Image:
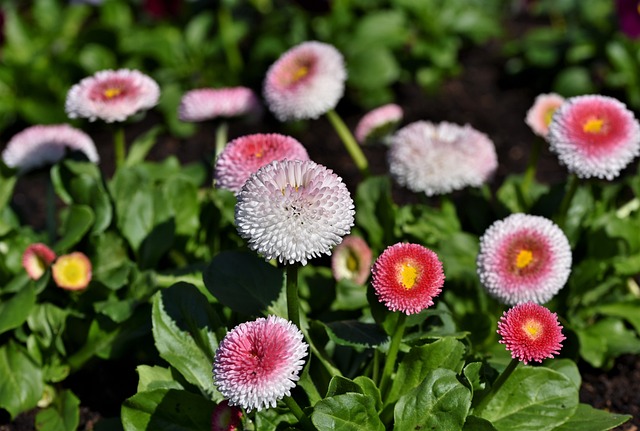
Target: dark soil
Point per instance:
(480, 96)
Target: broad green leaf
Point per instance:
(273, 419)
(155, 377)
(375, 211)
(369, 388)
(421, 360)
(341, 385)
(21, 379)
(183, 333)
(356, 334)
(78, 222)
(586, 418)
(182, 195)
(141, 146)
(167, 410)
(474, 423)
(243, 282)
(440, 401)
(62, 415)
(473, 373)
(14, 311)
(566, 367)
(348, 412)
(606, 339)
(630, 311)
(532, 399)
(7, 183)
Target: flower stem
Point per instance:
(482, 402)
(293, 306)
(51, 210)
(390, 363)
(119, 148)
(221, 137)
(530, 172)
(349, 142)
(572, 186)
(299, 414)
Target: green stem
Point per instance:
(299, 414)
(530, 172)
(482, 402)
(572, 186)
(349, 142)
(221, 137)
(119, 148)
(50, 210)
(390, 363)
(293, 306)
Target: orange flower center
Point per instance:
(593, 125)
(532, 328)
(110, 93)
(524, 258)
(408, 275)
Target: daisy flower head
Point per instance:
(351, 260)
(540, 114)
(594, 136)
(36, 259)
(524, 258)
(257, 363)
(207, 103)
(406, 277)
(440, 158)
(530, 332)
(378, 123)
(246, 154)
(305, 82)
(112, 95)
(226, 417)
(294, 210)
(72, 271)
(42, 145)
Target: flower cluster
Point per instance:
(440, 158)
(71, 271)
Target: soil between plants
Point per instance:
(480, 96)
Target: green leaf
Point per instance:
(348, 412)
(182, 194)
(7, 183)
(167, 410)
(243, 282)
(586, 418)
(14, 311)
(440, 401)
(474, 423)
(341, 385)
(630, 311)
(183, 333)
(155, 377)
(356, 334)
(78, 222)
(376, 211)
(369, 388)
(566, 367)
(141, 146)
(21, 379)
(605, 340)
(62, 415)
(421, 360)
(532, 399)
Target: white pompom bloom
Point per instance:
(440, 158)
(41, 145)
(594, 136)
(294, 210)
(112, 95)
(305, 82)
(258, 362)
(207, 103)
(524, 258)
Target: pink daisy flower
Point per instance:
(351, 260)
(246, 154)
(112, 95)
(37, 146)
(226, 417)
(378, 123)
(305, 82)
(406, 277)
(540, 114)
(524, 258)
(257, 363)
(594, 136)
(530, 332)
(208, 103)
(294, 210)
(72, 271)
(440, 158)
(36, 259)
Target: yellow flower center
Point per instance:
(408, 275)
(532, 328)
(524, 258)
(548, 116)
(593, 125)
(299, 73)
(72, 271)
(352, 262)
(110, 93)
